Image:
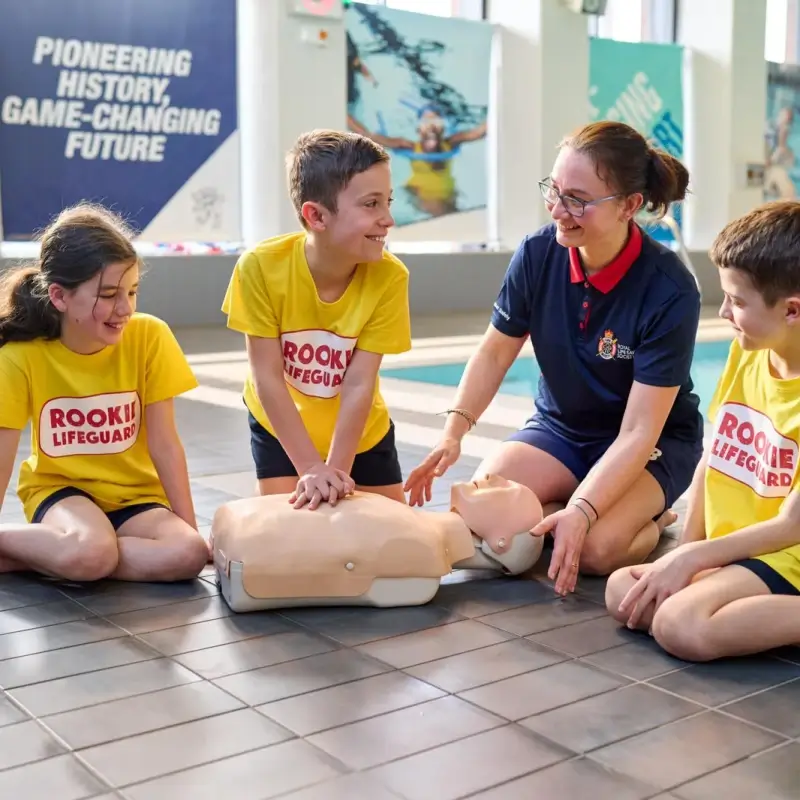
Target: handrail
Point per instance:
(670, 223)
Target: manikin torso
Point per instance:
(339, 551)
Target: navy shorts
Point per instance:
(117, 518)
(775, 582)
(672, 464)
(378, 466)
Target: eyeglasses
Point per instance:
(573, 205)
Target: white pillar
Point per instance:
(792, 31)
(283, 61)
(471, 9)
(540, 92)
(725, 91)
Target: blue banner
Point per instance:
(419, 85)
(131, 103)
(641, 84)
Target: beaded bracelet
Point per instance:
(463, 413)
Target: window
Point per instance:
(776, 37)
(437, 8)
(636, 21)
(622, 21)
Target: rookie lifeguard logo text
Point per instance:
(102, 424)
(747, 448)
(314, 361)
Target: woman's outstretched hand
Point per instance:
(569, 528)
(436, 463)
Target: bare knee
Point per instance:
(523, 463)
(682, 632)
(189, 557)
(599, 556)
(618, 585)
(86, 558)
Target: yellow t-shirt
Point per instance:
(88, 426)
(752, 463)
(273, 295)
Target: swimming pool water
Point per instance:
(523, 377)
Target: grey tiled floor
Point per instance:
(495, 690)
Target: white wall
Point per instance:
(725, 89)
(290, 81)
(468, 227)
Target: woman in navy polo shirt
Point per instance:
(616, 434)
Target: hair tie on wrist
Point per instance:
(594, 510)
(588, 518)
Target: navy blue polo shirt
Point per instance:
(593, 336)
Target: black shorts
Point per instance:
(378, 466)
(776, 583)
(672, 464)
(117, 518)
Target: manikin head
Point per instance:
(83, 288)
(340, 184)
(759, 272)
(496, 508)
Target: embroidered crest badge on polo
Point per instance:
(607, 346)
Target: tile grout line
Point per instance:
(69, 751)
(703, 707)
(342, 646)
(625, 779)
(756, 754)
(513, 636)
(294, 736)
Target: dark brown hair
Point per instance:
(625, 160)
(764, 243)
(81, 242)
(323, 162)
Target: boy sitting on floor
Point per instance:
(732, 586)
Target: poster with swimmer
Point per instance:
(782, 136)
(419, 85)
(641, 84)
(131, 103)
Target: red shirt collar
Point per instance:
(608, 277)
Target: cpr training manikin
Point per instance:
(368, 550)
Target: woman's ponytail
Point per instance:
(666, 183)
(624, 159)
(26, 312)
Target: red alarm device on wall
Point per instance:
(323, 9)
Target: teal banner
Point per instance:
(641, 84)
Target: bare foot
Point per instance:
(665, 520)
